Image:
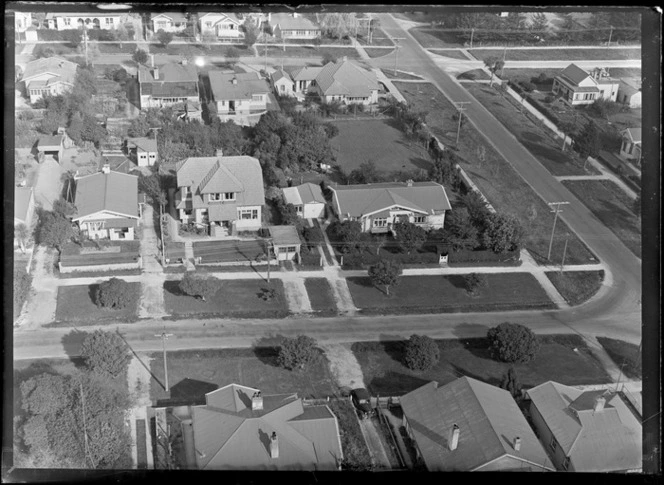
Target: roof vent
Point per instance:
(234, 81)
(453, 440)
(274, 445)
(257, 402)
(517, 443)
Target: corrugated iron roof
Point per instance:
(305, 73)
(280, 74)
(50, 141)
(346, 78)
(286, 21)
(64, 70)
(172, 72)
(143, 143)
(115, 192)
(177, 17)
(634, 134)
(284, 236)
(22, 196)
(310, 193)
(574, 74)
(247, 84)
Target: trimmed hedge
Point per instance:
(364, 260)
(511, 257)
(474, 307)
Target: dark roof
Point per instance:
(280, 74)
(172, 72)
(284, 236)
(304, 194)
(143, 143)
(114, 192)
(247, 84)
(346, 78)
(574, 74)
(177, 17)
(50, 141)
(286, 21)
(170, 90)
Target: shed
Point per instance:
(285, 242)
(51, 146)
(308, 200)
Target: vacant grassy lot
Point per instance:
(75, 305)
(228, 251)
(424, 294)
(623, 353)
(451, 53)
(193, 373)
(380, 141)
(611, 206)
(558, 54)
(577, 286)
(429, 38)
(385, 374)
(235, 298)
(320, 294)
(496, 178)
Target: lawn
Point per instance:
(558, 54)
(119, 48)
(611, 206)
(228, 251)
(353, 444)
(379, 38)
(451, 53)
(75, 306)
(389, 73)
(478, 74)
(445, 294)
(192, 373)
(385, 374)
(577, 286)
(380, 141)
(235, 299)
(320, 294)
(432, 38)
(623, 353)
(496, 178)
(374, 52)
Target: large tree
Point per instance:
(347, 233)
(114, 293)
(250, 32)
(503, 232)
(53, 230)
(493, 64)
(297, 353)
(421, 352)
(386, 272)
(199, 287)
(106, 353)
(140, 56)
(588, 142)
(511, 342)
(410, 236)
(463, 233)
(337, 25)
(164, 37)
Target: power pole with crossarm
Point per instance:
(163, 335)
(556, 211)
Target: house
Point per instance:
(239, 428)
(222, 25)
(577, 87)
(168, 21)
(586, 431)
(116, 161)
(293, 26)
(629, 92)
(346, 82)
(304, 78)
(49, 75)
(286, 242)
(468, 425)
(379, 206)
(52, 146)
(226, 192)
(282, 83)
(107, 205)
(631, 145)
(143, 150)
(239, 96)
(308, 200)
(22, 21)
(168, 85)
(91, 20)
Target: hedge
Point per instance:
(512, 257)
(363, 260)
(51, 34)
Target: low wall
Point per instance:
(469, 183)
(197, 261)
(100, 267)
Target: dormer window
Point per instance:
(222, 196)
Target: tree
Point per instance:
(337, 25)
(22, 235)
(463, 233)
(43, 51)
(421, 353)
(73, 37)
(511, 342)
(538, 22)
(250, 33)
(588, 142)
(164, 37)
(474, 282)
(297, 353)
(367, 173)
(140, 56)
(114, 293)
(386, 272)
(476, 205)
(511, 383)
(503, 232)
(197, 286)
(53, 230)
(410, 236)
(287, 212)
(329, 57)
(232, 55)
(106, 353)
(347, 232)
(493, 64)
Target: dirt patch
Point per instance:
(343, 365)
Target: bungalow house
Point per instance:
(631, 145)
(577, 87)
(468, 425)
(282, 83)
(308, 200)
(239, 428)
(379, 206)
(24, 210)
(347, 83)
(168, 85)
(107, 205)
(286, 242)
(304, 78)
(226, 192)
(168, 21)
(629, 92)
(49, 75)
(22, 20)
(222, 25)
(91, 20)
(239, 95)
(293, 26)
(586, 431)
(143, 150)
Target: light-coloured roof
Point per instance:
(284, 235)
(488, 418)
(304, 194)
(83, 15)
(247, 84)
(346, 78)
(22, 196)
(630, 86)
(143, 143)
(174, 16)
(574, 74)
(63, 70)
(113, 192)
(362, 200)
(603, 441)
(223, 16)
(50, 141)
(634, 134)
(286, 21)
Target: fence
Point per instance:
(72, 268)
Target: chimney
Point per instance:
(234, 81)
(269, 17)
(599, 404)
(184, 62)
(517, 443)
(257, 402)
(220, 153)
(152, 60)
(106, 168)
(295, 15)
(344, 58)
(409, 182)
(155, 73)
(274, 446)
(453, 440)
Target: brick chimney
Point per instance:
(453, 440)
(106, 168)
(155, 73)
(599, 404)
(517, 443)
(274, 445)
(184, 62)
(409, 182)
(295, 15)
(151, 60)
(220, 153)
(257, 402)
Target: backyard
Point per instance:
(385, 374)
(320, 295)
(76, 307)
(576, 287)
(446, 294)
(558, 54)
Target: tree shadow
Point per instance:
(393, 346)
(458, 281)
(173, 287)
(421, 163)
(393, 383)
(188, 392)
(266, 349)
(363, 281)
(460, 371)
(92, 292)
(71, 342)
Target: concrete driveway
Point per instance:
(49, 185)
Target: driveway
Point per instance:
(49, 185)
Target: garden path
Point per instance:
(138, 382)
(41, 305)
(296, 293)
(344, 365)
(152, 277)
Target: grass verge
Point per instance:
(451, 53)
(320, 294)
(304, 51)
(117, 48)
(475, 74)
(577, 287)
(389, 74)
(432, 38)
(622, 352)
(75, 305)
(559, 54)
(375, 52)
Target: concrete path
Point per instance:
(296, 294)
(41, 305)
(612, 177)
(581, 177)
(152, 279)
(138, 382)
(376, 450)
(389, 86)
(49, 186)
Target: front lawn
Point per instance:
(558, 54)
(235, 299)
(444, 294)
(192, 373)
(611, 206)
(119, 48)
(277, 51)
(475, 74)
(374, 52)
(429, 38)
(386, 375)
(577, 287)
(378, 38)
(353, 444)
(320, 294)
(75, 305)
(623, 354)
(451, 53)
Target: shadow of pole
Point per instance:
(147, 367)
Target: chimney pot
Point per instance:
(155, 73)
(257, 402)
(234, 81)
(274, 446)
(453, 440)
(409, 182)
(106, 168)
(517, 443)
(152, 60)
(599, 403)
(220, 153)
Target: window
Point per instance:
(257, 97)
(282, 88)
(566, 463)
(208, 25)
(290, 249)
(419, 219)
(214, 197)
(380, 222)
(109, 21)
(631, 148)
(249, 214)
(229, 195)
(298, 208)
(553, 444)
(67, 21)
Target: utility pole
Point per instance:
(459, 105)
(556, 211)
(163, 337)
(562, 263)
(396, 52)
(265, 40)
(608, 44)
(472, 33)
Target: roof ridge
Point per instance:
(228, 440)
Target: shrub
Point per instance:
(328, 57)
(511, 383)
(297, 353)
(114, 293)
(140, 56)
(475, 281)
(549, 99)
(603, 108)
(101, 34)
(198, 286)
(511, 342)
(164, 37)
(106, 353)
(22, 285)
(421, 353)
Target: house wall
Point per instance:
(633, 100)
(67, 22)
(570, 96)
(283, 87)
(243, 106)
(282, 253)
(103, 233)
(148, 101)
(219, 25)
(55, 89)
(629, 150)
(295, 34)
(145, 159)
(22, 21)
(431, 221)
(608, 91)
(248, 224)
(167, 25)
(545, 435)
(303, 86)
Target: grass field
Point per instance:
(75, 305)
(192, 373)
(451, 53)
(375, 52)
(496, 178)
(433, 294)
(235, 298)
(381, 141)
(431, 38)
(389, 73)
(320, 294)
(623, 353)
(385, 374)
(576, 286)
(558, 54)
(611, 206)
(478, 74)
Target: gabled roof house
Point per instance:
(223, 25)
(143, 150)
(629, 92)
(468, 425)
(240, 97)
(48, 75)
(577, 87)
(282, 83)
(346, 82)
(308, 200)
(240, 429)
(293, 26)
(168, 21)
(168, 85)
